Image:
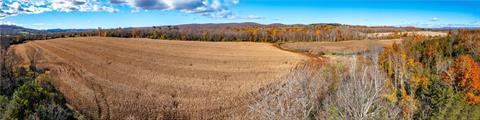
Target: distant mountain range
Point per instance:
(15, 30)
(69, 30)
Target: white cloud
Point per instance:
(434, 19)
(6, 23)
(235, 1)
(15, 7)
(474, 22)
(211, 8)
(38, 24)
(80, 5)
(253, 17)
(246, 17)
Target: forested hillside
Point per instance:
(231, 32)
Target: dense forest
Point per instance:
(435, 78)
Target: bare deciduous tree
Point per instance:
(355, 91)
(295, 98)
(360, 95)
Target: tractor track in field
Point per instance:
(116, 78)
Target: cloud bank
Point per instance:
(16, 7)
(210, 8)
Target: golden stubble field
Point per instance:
(119, 78)
(342, 47)
(421, 33)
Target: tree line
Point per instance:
(250, 32)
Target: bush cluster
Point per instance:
(25, 93)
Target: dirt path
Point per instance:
(312, 58)
(116, 78)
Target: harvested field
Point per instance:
(343, 47)
(117, 78)
(422, 33)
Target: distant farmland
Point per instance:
(117, 78)
(343, 47)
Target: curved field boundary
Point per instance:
(117, 78)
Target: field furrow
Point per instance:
(115, 78)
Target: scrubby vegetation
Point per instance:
(25, 93)
(420, 78)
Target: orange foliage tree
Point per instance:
(465, 76)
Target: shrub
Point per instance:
(25, 93)
(53, 111)
(7, 81)
(37, 100)
(3, 105)
(26, 99)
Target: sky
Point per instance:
(80, 14)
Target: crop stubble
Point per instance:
(117, 78)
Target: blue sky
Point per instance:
(138, 13)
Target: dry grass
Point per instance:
(343, 47)
(421, 33)
(116, 78)
(351, 47)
